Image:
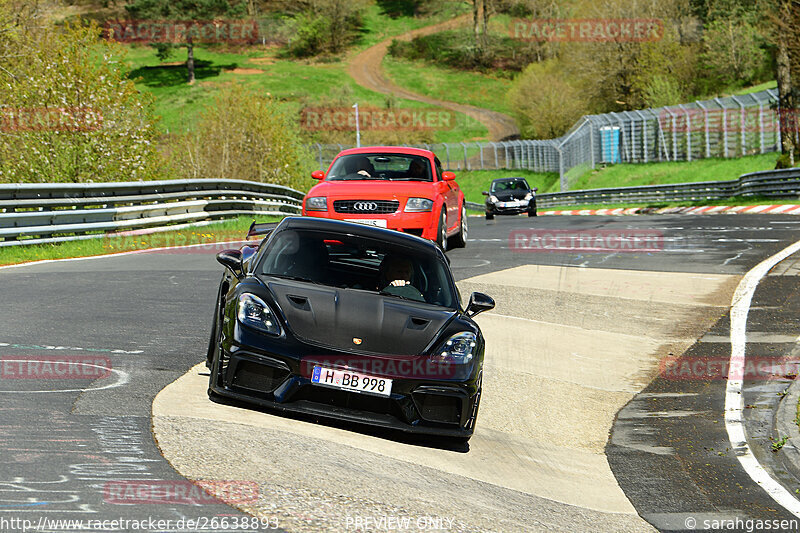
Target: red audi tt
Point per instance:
(391, 187)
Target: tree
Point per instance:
(325, 26)
(546, 105)
(782, 30)
(480, 21)
(246, 136)
(69, 112)
(610, 72)
(665, 72)
(181, 11)
(733, 48)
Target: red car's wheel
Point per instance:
(441, 234)
(460, 240)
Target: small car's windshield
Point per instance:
(510, 185)
(357, 262)
(396, 167)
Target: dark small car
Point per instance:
(510, 196)
(347, 321)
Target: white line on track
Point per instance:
(734, 399)
(122, 378)
(118, 254)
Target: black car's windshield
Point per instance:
(396, 167)
(510, 185)
(348, 261)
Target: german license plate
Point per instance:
(379, 222)
(352, 381)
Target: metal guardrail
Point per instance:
(47, 213)
(770, 183)
(53, 212)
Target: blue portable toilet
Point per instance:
(609, 144)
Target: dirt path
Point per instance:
(365, 69)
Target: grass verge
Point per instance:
(714, 169)
(226, 230)
(463, 87)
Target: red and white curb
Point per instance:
(783, 209)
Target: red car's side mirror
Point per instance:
(448, 176)
(318, 174)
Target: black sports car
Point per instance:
(343, 320)
(510, 196)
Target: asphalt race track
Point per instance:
(575, 339)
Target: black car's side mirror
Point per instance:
(485, 193)
(535, 189)
(232, 260)
(478, 303)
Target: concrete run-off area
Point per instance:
(567, 347)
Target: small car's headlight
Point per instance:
(493, 199)
(252, 311)
(317, 203)
(459, 349)
(528, 196)
(419, 205)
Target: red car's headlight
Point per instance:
(418, 205)
(317, 203)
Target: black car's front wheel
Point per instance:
(213, 341)
(489, 216)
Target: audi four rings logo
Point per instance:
(365, 206)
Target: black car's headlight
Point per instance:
(493, 198)
(458, 349)
(252, 311)
(528, 197)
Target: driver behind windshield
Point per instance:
(416, 170)
(395, 277)
(359, 165)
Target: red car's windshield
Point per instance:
(396, 167)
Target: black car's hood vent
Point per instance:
(333, 318)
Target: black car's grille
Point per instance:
(374, 207)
